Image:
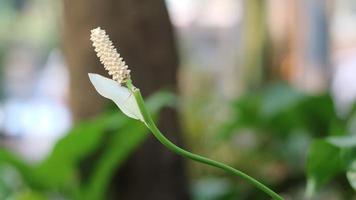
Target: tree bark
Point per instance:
(255, 44)
(143, 34)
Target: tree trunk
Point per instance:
(143, 34)
(255, 44)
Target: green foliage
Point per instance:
(351, 174)
(280, 110)
(115, 135)
(323, 164)
(329, 157)
(286, 120)
(118, 149)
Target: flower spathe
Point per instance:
(121, 95)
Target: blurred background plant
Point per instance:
(264, 85)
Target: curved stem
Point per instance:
(156, 132)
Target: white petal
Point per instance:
(122, 96)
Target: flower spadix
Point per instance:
(107, 53)
(116, 67)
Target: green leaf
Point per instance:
(347, 145)
(23, 168)
(120, 147)
(336, 154)
(323, 163)
(320, 117)
(29, 195)
(279, 98)
(60, 168)
(346, 141)
(246, 114)
(351, 174)
(123, 143)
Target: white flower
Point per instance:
(116, 67)
(122, 96)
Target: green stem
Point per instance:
(157, 133)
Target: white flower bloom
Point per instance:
(122, 96)
(117, 68)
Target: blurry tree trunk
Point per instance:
(255, 43)
(259, 67)
(143, 34)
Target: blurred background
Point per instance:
(266, 86)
